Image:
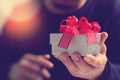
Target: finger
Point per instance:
(56, 56)
(68, 62)
(13, 74)
(78, 60)
(34, 68)
(40, 60)
(29, 65)
(45, 73)
(47, 56)
(104, 36)
(103, 49)
(19, 73)
(92, 60)
(24, 75)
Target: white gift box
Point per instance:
(77, 44)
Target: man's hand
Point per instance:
(31, 67)
(89, 66)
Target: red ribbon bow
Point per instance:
(74, 27)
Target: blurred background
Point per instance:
(18, 17)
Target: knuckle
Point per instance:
(26, 55)
(74, 69)
(29, 55)
(64, 54)
(24, 62)
(75, 54)
(74, 72)
(99, 63)
(40, 58)
(21, 61)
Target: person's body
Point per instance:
(14, 48)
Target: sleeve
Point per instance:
(7, 59)
(111, 72)
(112, 68)
(4, 71)
(5, 63)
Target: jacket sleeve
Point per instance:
(111, 72)
(112, 68)
(4, 71)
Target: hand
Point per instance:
(31, 67)
(89, 66)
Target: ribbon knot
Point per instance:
(72, 26)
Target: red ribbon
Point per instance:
(73, 27)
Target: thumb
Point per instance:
(92, 60)
(47, 56)
(104, 36)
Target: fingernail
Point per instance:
(48, 75)
(51, 65)
(63, 58)
(47, 55)
(76, 59)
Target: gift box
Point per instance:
(76, 39)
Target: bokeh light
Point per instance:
(21, 17)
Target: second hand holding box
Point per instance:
(77, 36)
